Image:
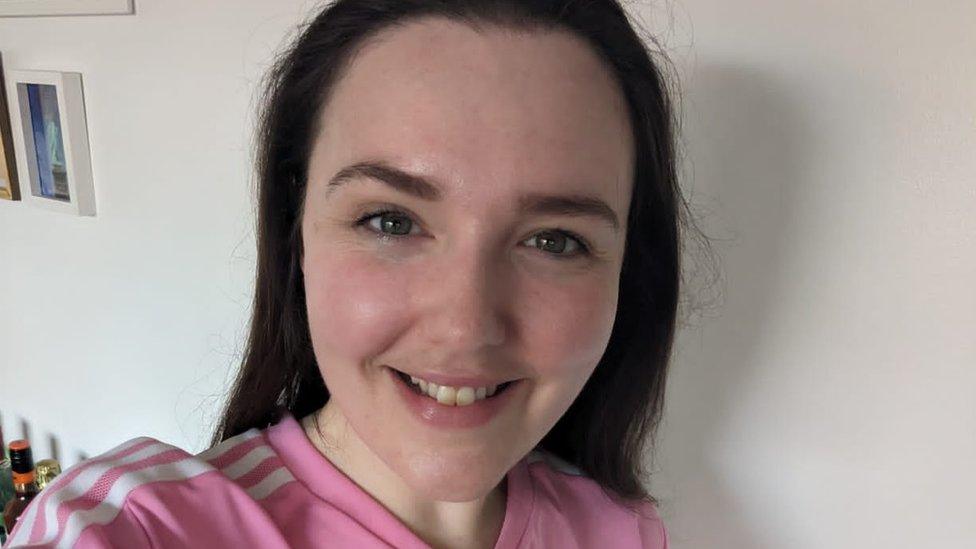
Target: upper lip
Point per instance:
(457, 380)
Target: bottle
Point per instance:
(46, 469)
(6, 483)
(6, 477)
(22, 465)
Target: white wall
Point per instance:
(128, 323)
(831, 400)
(827, 401)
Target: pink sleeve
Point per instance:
(650, 528)
(205, 511)
(142, 493)
(124, 530)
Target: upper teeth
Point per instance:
(453, 396)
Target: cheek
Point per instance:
(352, 307)
(570, 328)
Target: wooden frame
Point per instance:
(47, 113)
(9, 185)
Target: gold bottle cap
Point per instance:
(46, 470)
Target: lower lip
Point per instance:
(430, 412)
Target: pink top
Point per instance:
(272, 489)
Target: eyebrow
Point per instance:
(426, 189)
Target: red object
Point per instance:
(19, 445)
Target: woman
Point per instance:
(465, 301)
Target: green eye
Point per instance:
(391, 222)
(394, 224)
(557, 242)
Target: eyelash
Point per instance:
(584, 249)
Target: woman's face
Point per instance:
(522, 140)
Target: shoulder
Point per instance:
(95, 491)
(250, 462)
(565, 494)
(131, 493)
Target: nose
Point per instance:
(468, 306)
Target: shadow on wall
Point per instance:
(52, 448)
(9, 435)
(744, 142)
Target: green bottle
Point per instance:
(6, 483)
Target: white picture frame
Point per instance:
(28, 8)
(48, 106)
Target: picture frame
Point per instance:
(9, 185)
(50, 133)
(28, 8)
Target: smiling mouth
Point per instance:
(451, 396)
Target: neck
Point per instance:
(438, 523)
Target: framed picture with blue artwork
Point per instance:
(50, 132)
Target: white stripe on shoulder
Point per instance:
(272, 482)
(228, 445)
(555, 462)
(249, 461)
(109, 508)
(89, 472)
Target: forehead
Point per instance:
(490, 113)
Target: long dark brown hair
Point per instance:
(605, 430)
